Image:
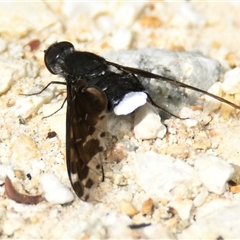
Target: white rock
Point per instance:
(6, 80)
(127, 14)
(24, 148)
(211, 207)
(117, 225)
(12, 14)
(55, 192)
(12, 69)
(6, 171)
(121, 39)
(214, 172)
(157, 174)
(11, 225)
(86, 9)
(29, 105)
(222, 223)
(212, 104)
(190, 122)
(158, 231)
(231, 83)
(186, 112)
(200, 198)
(182, 207)
(188, 16)
(147, 122)
(162, 131)
(3, 45)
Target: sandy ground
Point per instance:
(173, 186)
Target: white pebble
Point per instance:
(55, 192)
(190, 122)
(28, 106)
(212, 104)
(182, 207)
(157, 231)
(157, 174)
(3, 45)
(6, 171)
(121, 39)
(162, 131)
(117, 225)
(6, 80)
(200, 198)
(11, 225)
(222, 223)
(212, 206)
(188, 16)
(186, 112)
(23, 149)
(86, 9)
(214, 172)
(147, 122)
(126, 14)
(231, 83)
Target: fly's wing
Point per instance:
(85, 139)
(172, 81)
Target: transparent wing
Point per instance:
(85, 139)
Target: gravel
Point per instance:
(164, 177)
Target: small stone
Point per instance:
(158, 174)
(190, 122)
(148, 207)
(158, 231)
(231, 83)
(23, 149)
(11, 225)
(226, 110)
(118, 153)
(6, 80)
(222, 222)
(235, 189)
(178, 150)
(121, 39)
(183, 208)
(150, 21)
(128, 208)
(118, 179)
(214, 172)
(54, 191)
(24, 17)
(147, 122)
(19, 174)
(171, 223)
(212, 104)
(200, 198)
(162, 131)
(3, 45)
(127, 14)
(201, 141)
(186, 112)
(29, 105)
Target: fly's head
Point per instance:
(55, 55)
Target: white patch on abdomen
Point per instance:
(130, 102)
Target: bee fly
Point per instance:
(95, 87)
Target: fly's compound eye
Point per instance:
(54, 52)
